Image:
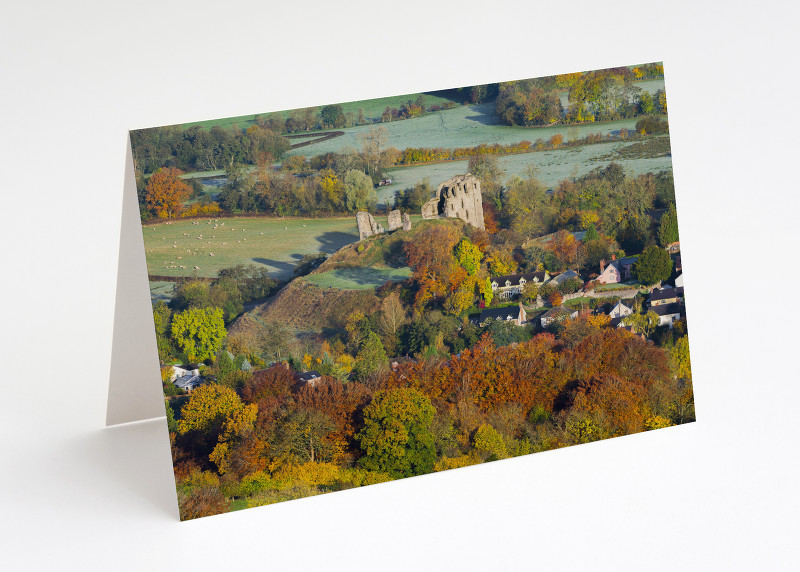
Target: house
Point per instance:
(664, 296)
(620, 310)
(505, 287)
(515, 314)
(564, 276)
(668, 314)
(188, 382)
(673, 247)
(558, 314)
(183, 370)
(617, 322)
(310, 377)
(617, 270)
(679, 281)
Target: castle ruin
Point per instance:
(459, 197)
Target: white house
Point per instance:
(620, 310)
(510, 285)
(679, 281)
(668, 314)
(182, 371)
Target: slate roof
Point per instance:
(564, 276)
(507, 313)
(667, 309)
(309, 375)
(559, 311)
(188, 381)
(514, 278)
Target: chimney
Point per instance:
(613, 257)
(602, 265)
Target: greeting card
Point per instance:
(354, 293)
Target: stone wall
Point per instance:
(367, 225)
(459, 197)
(395, 220)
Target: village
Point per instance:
(539, 301)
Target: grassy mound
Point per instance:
(357, 278)
(304, 306)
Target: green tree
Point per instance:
(468, 256)
(397, 438)
(646, 105)
(371, 358)
(413, 199)
(358, 190)
(199, 332)
(333, 116)
(668, 227)
(591, 234)
(654, 265)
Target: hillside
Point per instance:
(308, 307)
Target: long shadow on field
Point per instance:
(333, 241)
(284, 269)
(484, 115)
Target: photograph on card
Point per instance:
(354, 293)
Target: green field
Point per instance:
(357, 278)
(552, 166)
(175, 248)
(373, 108)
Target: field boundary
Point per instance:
(155, 221)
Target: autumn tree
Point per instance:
(199, 332)
(654, 265)
(396, 437)
(527, 205)
(459, 301)
(500, 263)
(489, 443)
(303, 435)
(566, 248)
(468, 256)
(679, 358)
(208, 408)
(166, 192)
(430, 255)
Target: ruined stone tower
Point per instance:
(459, 197)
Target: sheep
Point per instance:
(197, 268)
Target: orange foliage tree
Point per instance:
(165, 192)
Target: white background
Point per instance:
(720, 494)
